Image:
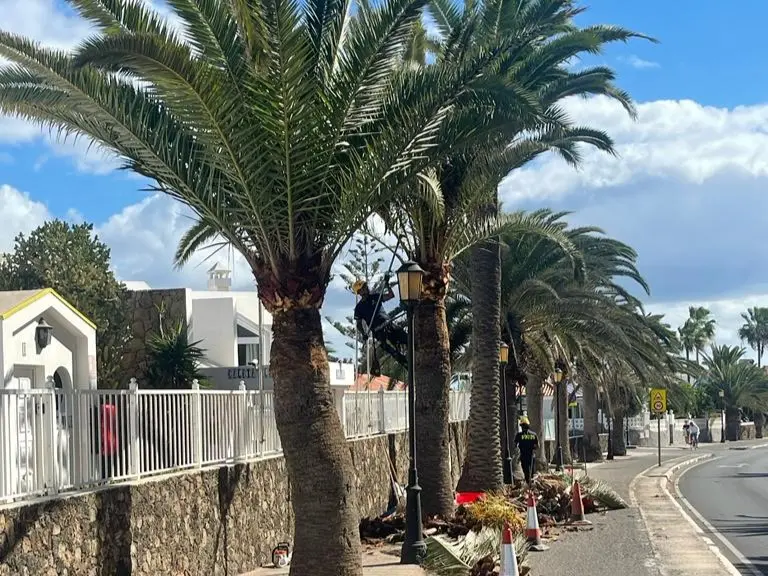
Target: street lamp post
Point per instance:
(503, 359)
(409, 278)
(721, 393)
(559, 450)
(608, 417)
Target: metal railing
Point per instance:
(54, 440)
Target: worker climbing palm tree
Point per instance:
(372, 319)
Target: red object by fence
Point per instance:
(108, 429)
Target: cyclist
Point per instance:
(693, 432)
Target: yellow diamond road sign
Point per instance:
(659, 400)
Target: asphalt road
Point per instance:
(731, 493)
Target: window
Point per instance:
(247, 353)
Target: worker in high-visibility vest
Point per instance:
(527, 442)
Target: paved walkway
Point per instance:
(677, 543)
(375, 564)
(620, 542)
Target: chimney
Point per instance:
(219, 278)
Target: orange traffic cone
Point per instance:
(508, 556)
(533, 532)
(577, 506)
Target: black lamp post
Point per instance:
(559, 450)
(607, 416)
(503, 359)
(721, 393)
(409, 278)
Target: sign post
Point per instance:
(658, 407)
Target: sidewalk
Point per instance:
(375, 564)
(618, 542)
(676, 542)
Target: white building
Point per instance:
(44, 339)
(231, 327)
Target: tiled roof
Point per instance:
(376, 383)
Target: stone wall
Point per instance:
(218, 522)
(143, 311)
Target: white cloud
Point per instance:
(18, 213)
(45, 21)
(674, 139)
(639, 63)
(143, 238)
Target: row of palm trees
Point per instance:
(723, 379)
(284, 126)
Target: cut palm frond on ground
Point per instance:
(446, 557)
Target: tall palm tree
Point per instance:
(701, 326)
(545, 40)
(283, 127)
(744, 384)
(754, 331)
(564, 301)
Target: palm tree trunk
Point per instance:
(759, 419)
(327, 539)
(592, 449)
(432, 365)
(688, 359)
(562, 420)
(482, 470)
(534, 394)
(619, 442)
(759, 354)
(732, 424)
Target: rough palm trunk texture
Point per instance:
(535, 395)
(482, 470)
(759, 419)
(592, 448)
(619, 437)
(327, 539)
(562, 407)
(432, 363)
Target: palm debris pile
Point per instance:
(470, 538)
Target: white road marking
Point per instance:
(732, 466)
(748, 566)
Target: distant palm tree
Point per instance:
(699, 329)
(744, 384)
(755, 330)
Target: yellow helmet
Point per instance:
(524, 421)
(357, 285)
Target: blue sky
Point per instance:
(687, 191)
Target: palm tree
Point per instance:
(564, 301)
(744, 384)
(754, 331)
(702, 327)
(467, 180)
(283, 127)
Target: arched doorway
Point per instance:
(62, 384)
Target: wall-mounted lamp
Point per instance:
(43, 333)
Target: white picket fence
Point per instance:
(368, 413)
(54, 441)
